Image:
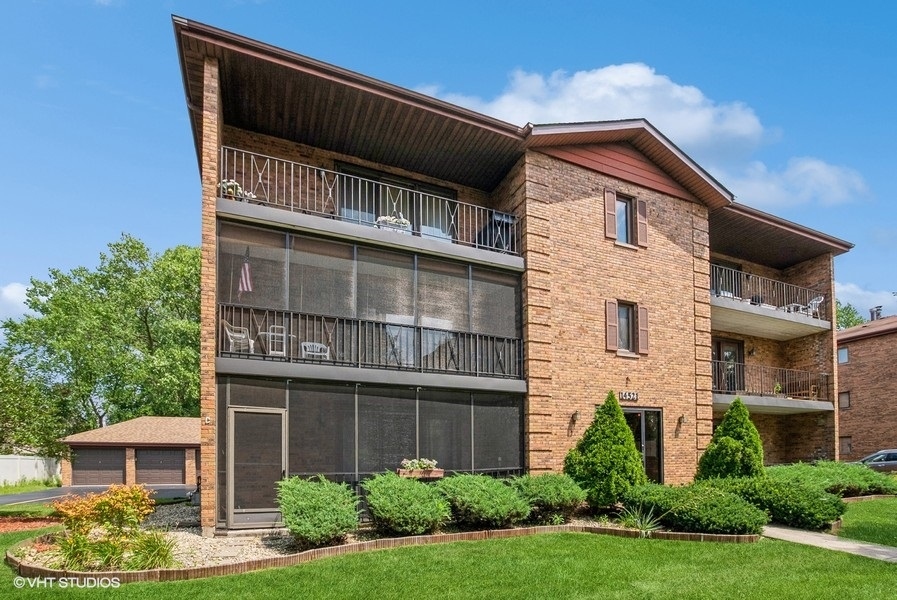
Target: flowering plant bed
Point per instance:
(421, 473)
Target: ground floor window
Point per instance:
(646, 426)
(346, 432)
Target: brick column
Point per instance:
(211, 142)
(130, 466)
(65, 468)
(190, 465)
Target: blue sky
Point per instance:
(789, 104)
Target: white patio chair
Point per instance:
(238, 338)
(813, 306)
(315, 350)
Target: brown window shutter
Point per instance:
(642, 233)
(642, 330)
(613, 325)
(610, 214)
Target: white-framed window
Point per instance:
(843, 355)
(844, 400)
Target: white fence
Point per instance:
(15, 468)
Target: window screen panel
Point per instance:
(322, 430)
(322, 277)
(257, 392)
(442, 295)
(497, 432)
(251, 266)
(385, 286)
(444, 428)
(494, 303)
(386, 428)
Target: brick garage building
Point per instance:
(148, 450)
(387, 276)
(867, 387)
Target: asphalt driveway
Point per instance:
(43, 496)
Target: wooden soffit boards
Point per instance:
(621, 161)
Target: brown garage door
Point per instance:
(98, 466)
(160, 465)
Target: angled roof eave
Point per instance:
(646, 138)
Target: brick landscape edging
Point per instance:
(31, 570)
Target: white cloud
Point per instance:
(12, 300)
(863, 300)
(803, 180)
(624, 91)
(722, 137)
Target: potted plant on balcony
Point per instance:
(777, 389)
(393, 221)
(419, 468)
(229, 188)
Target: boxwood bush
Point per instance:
(405, 506)
(552, 497)
(697, 508)
(841, 479)
(481, 501)
(789, 503)
(317, 512)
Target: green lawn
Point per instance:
(27, 510)
(31, 485)
(871, 521)
(566, 565)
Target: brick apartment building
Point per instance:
(867, 387)
(386, 275)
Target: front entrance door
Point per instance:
(646, 429)
(257, 461)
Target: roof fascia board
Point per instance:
(304, 64)
(838, 245)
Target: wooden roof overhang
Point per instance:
(275, 92)
(755, 236)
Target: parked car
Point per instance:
(883, 460)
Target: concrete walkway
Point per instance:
(831, 542)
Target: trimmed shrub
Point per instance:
(317, 512)
(605, 461)
(697, 508)
(735, 449)
(841, 479)
(787, 503)
(405, 506)
(552, 497)
(481, 501)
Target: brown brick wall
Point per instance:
(571, 270)
(211, 116)
(65, 468)
(871, 420)
(130, 466)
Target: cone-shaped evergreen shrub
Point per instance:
(605, 461)
(735, 449)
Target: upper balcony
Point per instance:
(758, 306)
(300, 188)
(768, 389)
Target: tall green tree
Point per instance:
(29, 421)
(848, 315)
(117, 342)
(735, 450)
(605, 461)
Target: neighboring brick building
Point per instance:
(386, 275)
(867, 387)
(148, 450)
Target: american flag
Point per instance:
(245, 276)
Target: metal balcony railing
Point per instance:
(252, 177)
(760, 380)
(769, 293)
(307, 338)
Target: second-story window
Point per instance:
(625, 219)
(627, 327)
(843, 356)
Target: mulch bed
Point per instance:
(8, 524)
